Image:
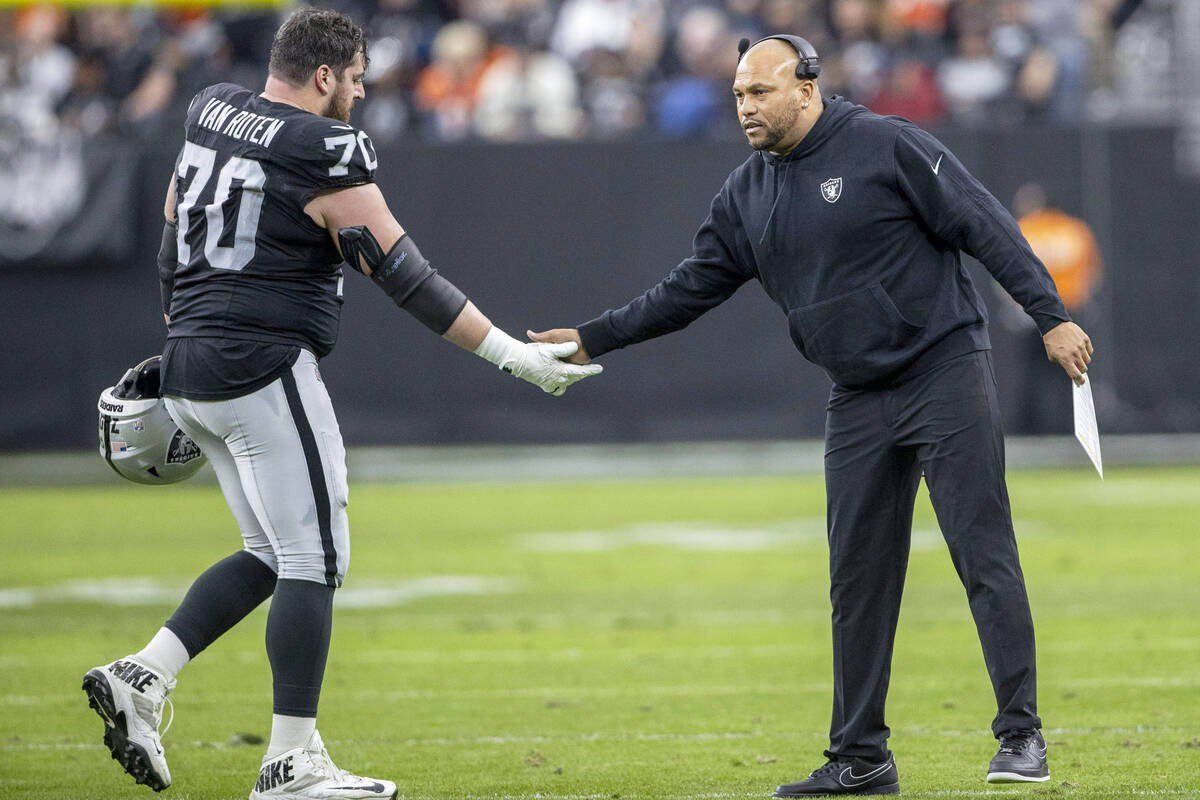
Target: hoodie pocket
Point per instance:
(858, 337)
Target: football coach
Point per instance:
(853, 224)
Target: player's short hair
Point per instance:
(311, 37)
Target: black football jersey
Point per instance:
(253, 267)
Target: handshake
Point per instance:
(541, 362)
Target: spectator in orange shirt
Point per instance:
(447, 89)
(1065, 244)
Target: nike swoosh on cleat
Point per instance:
(373, 787)
(859, 780)
(937, 164)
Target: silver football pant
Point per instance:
(279, 458)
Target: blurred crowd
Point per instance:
(520, 70)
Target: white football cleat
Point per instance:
(308, 773)
(129, 698)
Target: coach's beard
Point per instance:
(774, 131)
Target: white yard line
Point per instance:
(705, 652)
(707, 536)
(144, 591)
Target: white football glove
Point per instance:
(537, 363)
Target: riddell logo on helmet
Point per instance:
(115, 408)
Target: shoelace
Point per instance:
(1014, 744)
(324, 764)
(828, 768)
(170, 705)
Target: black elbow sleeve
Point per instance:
(406, 276)
(168, 260)
(436, 303)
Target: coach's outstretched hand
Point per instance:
(540, 364)
(1069, 347)
(555, 335)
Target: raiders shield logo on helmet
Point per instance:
(831, 190)
(138, 438)
(182, 449)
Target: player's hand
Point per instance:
(556, 335)
(1069, 347)
(542, 365)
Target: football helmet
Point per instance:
(138, 438)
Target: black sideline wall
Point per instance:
(550, 235)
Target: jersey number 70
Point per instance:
(248, 195)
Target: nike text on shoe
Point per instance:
(846, 776)
(128, 696)
(1022, 758)
(308, 773)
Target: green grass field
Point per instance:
(610, 640)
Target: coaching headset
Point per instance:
(810, 63)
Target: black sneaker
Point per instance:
(1022, 758)
(846, 776)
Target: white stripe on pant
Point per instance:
(282, 468)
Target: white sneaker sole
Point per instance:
(1014, 777)
(132, 757)
(254, 795)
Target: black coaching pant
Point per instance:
(944, 423)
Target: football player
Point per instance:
(272, 191)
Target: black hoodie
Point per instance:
(856, 235)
